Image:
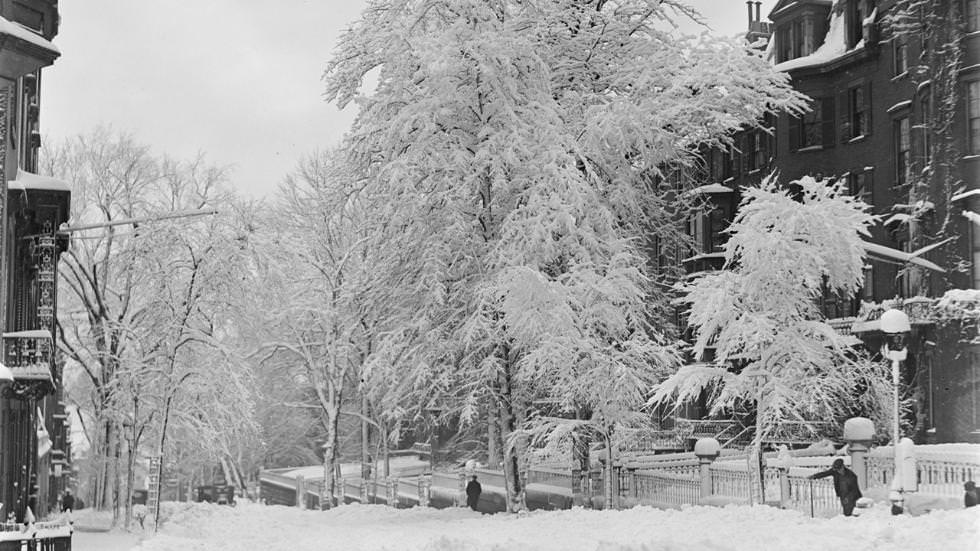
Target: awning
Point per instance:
(894, 255)
(28, 180)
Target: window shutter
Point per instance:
(844, 109)
(795, 128)
(829, 121)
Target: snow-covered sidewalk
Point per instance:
(376, 527)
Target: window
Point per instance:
(731, 162)
(814, 128)
(972, 11)
(925, 116)
(976, 255)
(784, 44)
(855, 103)
(717, 164)
(973, 114)
(857, 11)
(901, 55)
(902, 150)
(719, 219)
(796, 39)
(861, 185)
(754, 150)
(868, 288)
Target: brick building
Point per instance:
(895, 113)
(34, 443)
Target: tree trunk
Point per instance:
(330, 457)
(116, 474)
(494, 445)
(610, 472)
(514, 472)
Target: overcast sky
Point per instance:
(239, 80)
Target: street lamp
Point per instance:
(896, 328)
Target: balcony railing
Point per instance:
(28, 354)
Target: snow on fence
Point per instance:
(665, 489)
(943, 477)
(730, 479)
(550, 476)
(812, 497)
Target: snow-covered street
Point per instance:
(375, 527)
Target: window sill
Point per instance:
(810, 148)
(857, 139)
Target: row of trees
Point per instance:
(475, 252)
(145, 309)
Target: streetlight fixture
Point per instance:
(896, 328)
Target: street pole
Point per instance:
(896, 328)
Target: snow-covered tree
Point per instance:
(140, 296)
(760, 315)
(521, 144)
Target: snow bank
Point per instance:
(355, 527)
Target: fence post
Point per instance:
(391, 488)
(577, 487)
(634, 493)
(706, 450)
(614, 471)
(858, 432)
(784, 496)
(423, 492)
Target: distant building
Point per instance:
(896, 115)
(34, 444)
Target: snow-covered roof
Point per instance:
(901, 256)
(28, 180)
(834, 45)
(704, 256)
(711, 188)
(19, 31)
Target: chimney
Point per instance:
(758, 6)
(749, 5)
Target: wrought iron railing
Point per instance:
(28, 354)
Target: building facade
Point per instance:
(34, 441)
(895, 115)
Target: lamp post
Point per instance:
(896, 328)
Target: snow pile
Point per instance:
(355, 527)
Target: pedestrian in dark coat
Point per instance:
(473, 491)
(845, 485)
(970, 496)
(67, 502)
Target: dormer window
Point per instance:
(857, 12)
(799, 37)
